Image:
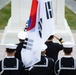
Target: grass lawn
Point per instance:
(71, 18)
(5, 14)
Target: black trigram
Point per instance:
(28, 43)
(40, 27)
(48, 7)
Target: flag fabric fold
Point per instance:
(46, 14)
(40, 27)
(33, 14)
(31, 51)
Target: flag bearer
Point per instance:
(21, 37)
(45, 66)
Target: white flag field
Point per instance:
(42, 26)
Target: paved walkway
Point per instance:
(3, 3)
(71, 4)
(1, 34)
(74, 34)
(2, 49)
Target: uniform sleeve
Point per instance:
(56, 67)
(51, 65)
(59, 46)
(21, 66)
(61, 40)
(18, 52)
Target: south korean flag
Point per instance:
(31, 51)
(41, 26)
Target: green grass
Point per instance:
(5, 14)
(71, 18)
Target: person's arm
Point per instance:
(60, 39)
(21, 65)
(51, 65)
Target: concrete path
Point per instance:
(1, 34)
(71, 4)
(2, 49)
(74, 34)
(3, 3)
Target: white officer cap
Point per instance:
(68, 44)
(22, 35)
(43, 48)
(11, 46)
